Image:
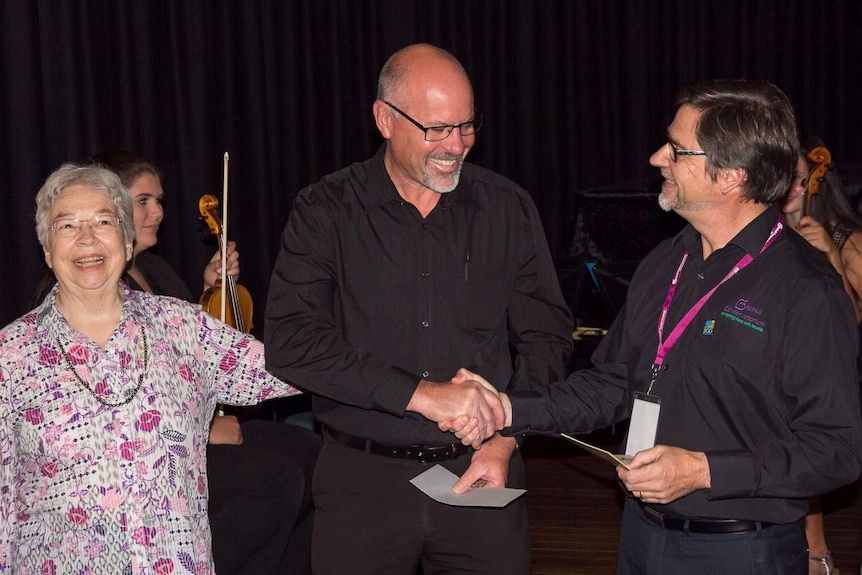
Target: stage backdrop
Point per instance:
(576, 95)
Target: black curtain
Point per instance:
(576, 95)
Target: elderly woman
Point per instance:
(106, 401)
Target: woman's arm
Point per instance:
(846, 261)
(851, 259)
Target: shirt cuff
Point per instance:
(731, 474)
(530, 416)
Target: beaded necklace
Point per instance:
(129, 393)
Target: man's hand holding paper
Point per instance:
(663, 474)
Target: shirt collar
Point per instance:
(754, 235)
(381, 190)
(751, 238)
(49, 318)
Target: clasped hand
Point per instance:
(225, 430)
(467, 405)
(470, 430)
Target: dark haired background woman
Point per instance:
(837, 232)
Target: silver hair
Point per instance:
(94, 177)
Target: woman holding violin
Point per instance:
(259, 471)
(817, 207)
(147, 198)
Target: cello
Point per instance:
(822, 160)
(233, 304)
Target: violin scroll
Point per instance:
(822, 160)
(208, 206)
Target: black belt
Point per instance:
(701, 525)
(420, 453)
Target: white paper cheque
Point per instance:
(438, 481)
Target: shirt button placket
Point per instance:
(425, 309)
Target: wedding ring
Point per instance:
(640, 494)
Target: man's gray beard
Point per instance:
(431, 185)
(672, 204)
(667, 203)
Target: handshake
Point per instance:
(468, 406)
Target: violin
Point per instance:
(232, 305)
(822, 160)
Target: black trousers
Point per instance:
(369, 519)
(260, 507)
(647, 549)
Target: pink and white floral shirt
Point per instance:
(90, 488)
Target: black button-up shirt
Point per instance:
(367, 298)
(763, 380)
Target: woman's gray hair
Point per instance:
(94, 177)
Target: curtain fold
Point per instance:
(576, 95)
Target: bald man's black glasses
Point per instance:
(438, 133)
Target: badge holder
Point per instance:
(644, 423)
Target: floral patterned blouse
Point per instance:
(103, 469)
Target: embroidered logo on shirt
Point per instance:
(744, 313)
(708, 327)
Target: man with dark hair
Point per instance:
(393, 274)
(734, 356)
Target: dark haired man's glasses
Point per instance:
(674, 152)
(437, 133)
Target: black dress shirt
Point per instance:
(367, 298)
(768, 391)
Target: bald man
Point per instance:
(393, 274)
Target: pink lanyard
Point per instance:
(665, 346)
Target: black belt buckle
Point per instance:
(426, 453)
(420, 453)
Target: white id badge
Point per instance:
(644, 422)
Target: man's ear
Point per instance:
(383, 118)
(730, 179)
